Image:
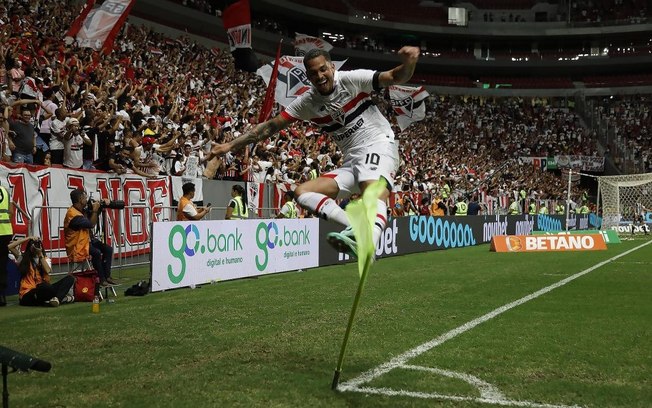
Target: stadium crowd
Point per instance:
(155, 105)
(629, 120)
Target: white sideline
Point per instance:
(400, 360)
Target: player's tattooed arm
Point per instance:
(262, 131)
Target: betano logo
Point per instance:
(528, 243)
(180, 238)
(268, 238)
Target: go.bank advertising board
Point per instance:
(197, 252)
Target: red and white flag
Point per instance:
(268, 103)
(304, 43)
(255, 198)
(292, 80)
(237, 22)
(103, 24)
(408, 104)
(77, 24)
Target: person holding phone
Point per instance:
(187, 210)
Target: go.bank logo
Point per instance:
(268, 237)
(178, 245)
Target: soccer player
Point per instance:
(339, 103)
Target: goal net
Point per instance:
(624, 198)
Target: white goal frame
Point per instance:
(624, 197)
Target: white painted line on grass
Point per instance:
(428, 395)
(487, 391)
(400, 360)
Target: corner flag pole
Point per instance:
(362, 216)
(356, 300)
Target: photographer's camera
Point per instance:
(113, 205)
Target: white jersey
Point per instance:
(348, 113)
(73, 152)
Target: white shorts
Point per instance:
(366, 163)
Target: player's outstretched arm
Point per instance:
(402, 73)
(261, 132)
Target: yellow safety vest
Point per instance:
(461, 208)
(293, 209)
(240, 211)
(5, 219)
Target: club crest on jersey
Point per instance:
(339, 116)
(297, 82)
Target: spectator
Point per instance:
(6, 144)
(34, 267)
(24, 138)
(58, 130)
(74, 141)
(49, 108)
(474, 206)
(122, 163)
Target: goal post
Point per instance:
(624, 197)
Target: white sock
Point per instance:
(323, 206)
(381, 222)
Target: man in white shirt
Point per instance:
(73, 143)
(58, 129)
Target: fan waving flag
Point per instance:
(237, 22)
(304, 43)
(292, 80)
(103, 24)
(408, 104)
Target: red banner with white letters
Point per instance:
(44, 195)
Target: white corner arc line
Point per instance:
(401, 359)
(487, 391)
(427, 395)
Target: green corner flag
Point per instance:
(362, 216)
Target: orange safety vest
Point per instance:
(77, 242)
(31, 280)
(181, 216)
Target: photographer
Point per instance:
(35, 268)
(77, 228)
